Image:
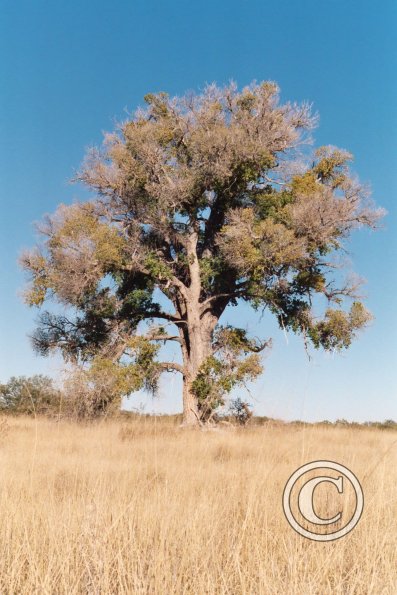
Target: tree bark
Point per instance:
(196, 348)
(191, 415)
(196, 335)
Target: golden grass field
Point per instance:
(141, 506)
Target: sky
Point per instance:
(70, 70)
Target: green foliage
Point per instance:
(125, 378)
(158, 104)
(310, 279)
(211, 381)
(156, 267)
(97, 389)
(270, 204)
(80, 251)
(217, 378)
(29, 396)
(137, 301)
(37, 292)
(211, 271)
(138, 371)
(331, 167)
(233, 364)
(305, 184)
(338, 328)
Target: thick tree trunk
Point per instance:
(191, 415)
(197, 348)
(196, 336)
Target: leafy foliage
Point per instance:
(206, 199)
(233, 364)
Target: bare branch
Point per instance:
(171, 367)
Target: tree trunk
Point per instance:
(191, 415)
(196, 348)
(196, 335)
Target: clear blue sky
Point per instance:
(69, 69)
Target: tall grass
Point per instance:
(144, 507)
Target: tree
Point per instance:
(240, 411)
(209, 200)
(28, 396)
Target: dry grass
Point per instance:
(128, 507)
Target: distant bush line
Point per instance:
(38, 395)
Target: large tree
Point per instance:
(210, 200)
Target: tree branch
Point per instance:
(160, 337)
(171, 367)
(165, 316)
(212, 298)
(261, 346)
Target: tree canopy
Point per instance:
(208, 199)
